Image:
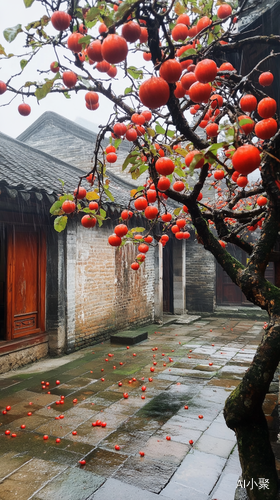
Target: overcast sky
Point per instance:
(11, 122)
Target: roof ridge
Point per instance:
(59, 121)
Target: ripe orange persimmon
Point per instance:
(154, 92)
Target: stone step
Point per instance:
(129, 337)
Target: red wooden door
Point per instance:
(26, 279)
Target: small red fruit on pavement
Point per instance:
(120, 384)
(74, 433)
(186, 407)
(210, 364)
(125, 395)
(141, 453)
(168, 438)
(152, 369)
(8, 408)
(117, 447)
(191, 441)
(7, 432)
(75, 400)
(29, 414)
(143, 388)
(150, 379)
(45, 437)
(200, 416)
(82, 462)
(57, 440)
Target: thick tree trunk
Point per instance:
(243, 413)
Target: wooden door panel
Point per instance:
(26, 273)
(26, 279)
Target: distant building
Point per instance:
(61, 291)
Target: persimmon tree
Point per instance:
(172, 58)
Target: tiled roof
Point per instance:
(25, 169)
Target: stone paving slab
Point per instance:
(205, 469)
(73, 484)
(116, 490)
(197, 472)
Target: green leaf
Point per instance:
(60, 223)
(86, 83)
(179, 172)
(195, 160)
(143, 169)
(137, 230)
(108, 20)
(41, 92)
(123, 8)
(92, 14)
(170, 133)
(244, 121)
(131, 158)
(179, 9)
(67, 95)
(160, 129)
(128, 90)
(110, 196)
(62, 182)
(117, 142)
(23, 63)
(28, 3)
(56, 206)
(189, 52)
(151, 132)
(11, 33)
(102, 213)
(85, 40)
(211, 38)
(2, 50)
(214, 147)
(177, 211)
(181, 152)
(135, 72)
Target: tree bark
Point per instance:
(243, 414)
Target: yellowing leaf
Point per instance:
(133, 192)
(91, 195)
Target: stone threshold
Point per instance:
(9, 346)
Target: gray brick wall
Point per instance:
(200, 278)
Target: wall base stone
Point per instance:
(16, 359)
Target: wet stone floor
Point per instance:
(81, 413)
